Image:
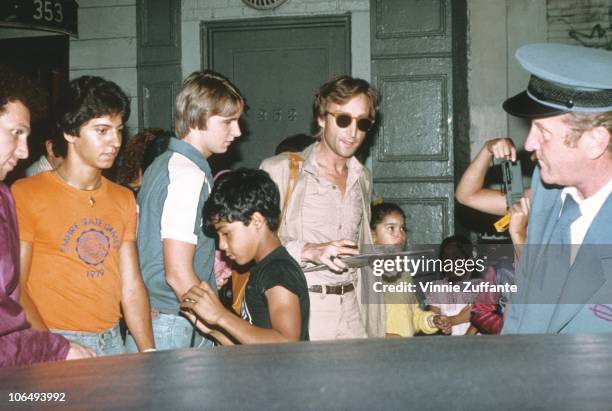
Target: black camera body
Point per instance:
(512, 181)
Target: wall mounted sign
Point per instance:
(51, 15)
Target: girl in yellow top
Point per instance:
(405, 317)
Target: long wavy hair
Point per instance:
(134, 151)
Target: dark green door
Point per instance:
(418, 64)
(159, 61)
(278, 64)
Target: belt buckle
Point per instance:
(323, 291)
(341, 289)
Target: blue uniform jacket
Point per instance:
(553, 298)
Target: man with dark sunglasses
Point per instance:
(326, 210)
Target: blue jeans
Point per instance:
(107, 342)
(171, 332)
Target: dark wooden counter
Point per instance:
(488, 373)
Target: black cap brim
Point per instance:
(524, 106)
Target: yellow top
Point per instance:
(405, 316)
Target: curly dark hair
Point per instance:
(134, 153)
(380, 211)
(15, 86)
(86, 98)
(240, 193)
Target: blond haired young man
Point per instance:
(175, 254)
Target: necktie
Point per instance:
(556, 253)
(569, 214)
(562, 310)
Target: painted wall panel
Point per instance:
(103, 53)
(107, 22)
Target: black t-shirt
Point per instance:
(277, 269)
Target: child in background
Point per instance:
(458, 305)
(243, 208)
(405, 317)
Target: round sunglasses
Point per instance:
(343, 120)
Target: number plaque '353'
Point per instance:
(51, 15)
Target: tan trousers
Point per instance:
(335, 317)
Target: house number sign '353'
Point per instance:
(50, 15)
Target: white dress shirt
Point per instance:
(588, 208)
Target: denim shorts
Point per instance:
(171, 332)
(107, 342)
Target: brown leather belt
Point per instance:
(332, 289)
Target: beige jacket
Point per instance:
(290, 232)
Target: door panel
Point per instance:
(410, 26)
(159, 87)
(159, 34)
(159, 61)
(415, 135)
(413, 46)
(278, 64)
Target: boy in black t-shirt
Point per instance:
(243, 208)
